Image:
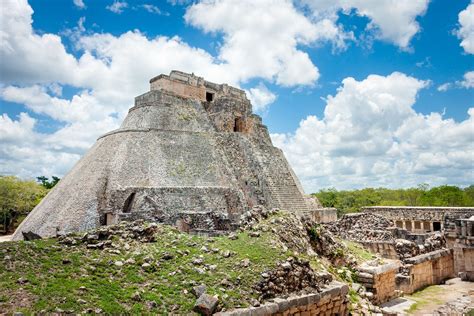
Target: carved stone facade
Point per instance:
(189, 153)
(419, 219)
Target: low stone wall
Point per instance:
(385, 248)
(379, 279)
(463, 232)
(323, 215)
(419, 219)
(427, 269)
(331, 301)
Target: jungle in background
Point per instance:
(18, 197)
(352, 200)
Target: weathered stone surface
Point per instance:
(206, 304)
(179, 158)
(30, 236)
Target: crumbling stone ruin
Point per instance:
(189, 153)
(421, 246)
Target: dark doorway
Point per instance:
(238, 124)
(436, 226)
(127, 206)
(209, 96)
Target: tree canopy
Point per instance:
(347, 201)
(17, 198)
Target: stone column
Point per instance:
(469, 228)
(431, 227)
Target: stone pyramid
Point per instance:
(189, 153)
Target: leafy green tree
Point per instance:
(422, 195)
(44, 181)
(17, 198)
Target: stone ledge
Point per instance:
(379, 269)
(334, 291)
(429, 256)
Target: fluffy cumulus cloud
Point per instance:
(390, 20)
(370, 135)
(369, 130)
(117, 6)
(466, 29)
(261, 97)
(260, 38)
(466, 83)
(468, 80)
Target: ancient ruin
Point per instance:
(189, 153)
(421, 246)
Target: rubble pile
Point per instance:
(361, 227)
(286, 225)
(103, 236)
(254, 216)
(406, 248)
(324, 243)
(434, 242)
(291, 276)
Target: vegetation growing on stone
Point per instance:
(119, 270)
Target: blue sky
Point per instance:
(356, 93)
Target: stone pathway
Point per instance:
(5, 238)
(432, 298)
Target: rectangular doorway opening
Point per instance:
(238, 125)
(436, 226)
(209, 96)
(127, 206)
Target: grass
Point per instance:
(53, 284)
(424, 297)
(358, 251)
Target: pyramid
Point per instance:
(189, 153)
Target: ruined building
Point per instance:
(189, 153)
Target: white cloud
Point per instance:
(468, 81)
(444, 87)
(370, 135)
(24, 150)
(109, 72)
(153, 9)
(261, 97)
(79, 3)
(261, 38)
(466, 30)
(390, 20)
(117, 6)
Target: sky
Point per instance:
(357, 93)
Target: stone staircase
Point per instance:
(288, 197)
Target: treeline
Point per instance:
(352, 200)
(18, 197)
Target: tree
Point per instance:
(44, 181)
(17, 198)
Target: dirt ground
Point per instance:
(428, 300)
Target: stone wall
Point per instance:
(417, 218)
(379, 279)
(331, 301)
(463, 247)
(385, 248)
(424, 270)
(186, 87)
(322, 214)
